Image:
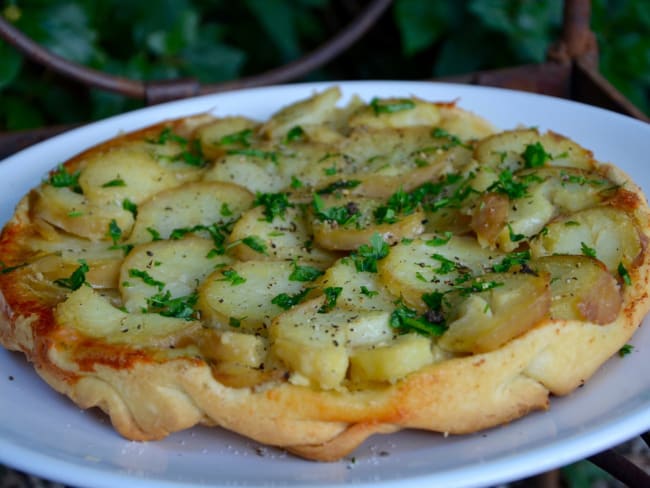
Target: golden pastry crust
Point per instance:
(156, 383)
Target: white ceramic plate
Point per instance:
(43, 433)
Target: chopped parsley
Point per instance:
(535, 156)
(275, 204)
(366, 256)
(76, 279)
(256, 153)
(514, 237)
(341, 215)
(446, 265)
(510, 260)
(114, 232)
(399, 202)
(304, 273)
(155, 235)
(234, 322)
(440, 133)
(241, 137)
(587, 251)
(331, 296)
(406, 319)
(4, 269)
(113, 183)
(255, 243)
(225, 210)
(147, 278)
(286, 301)
(506, 185)
(339, 185)
(232, 277)
(191, 151)
(180, 307)
(624, 274)
(62, 179)
(389, 107)
(477, 286)
(369, 293)
(296, 183)
(438, 240)
(129, 206)
(625, 350)
(295, 133)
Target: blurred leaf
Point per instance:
(10, 65)
(61, 27)
(167, 42)
(277, 18)
(584, 474)
(20, 114)
(210, 61)
(423, 23)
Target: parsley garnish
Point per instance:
(339, 185)
(514, 237)
(155, 235)
(180, 307)
(625, 350)
(255, 243)
(234, 322)
(385, 107)
(286, 301)
(510, 260)
(225, 210)
(233, 277)
(304, 273)
(147, 278)
(340, 215)
(406, 319)
(366, 256)
(331, 296)
(241, 137)
(295, 133)
(114, 232)
(587, 251)
(129, 206)
(446, 265)
(506, 185)
(296, 183)
(76, 279)
(439, 241)
(115, 182)
(256, 153)
(275, 204)
(369, 293)
(477, 286)
(399, 202)
(624, 274)
(535, 156)
(191, 151)
(454, 140)
(62, 179)
(8, 269)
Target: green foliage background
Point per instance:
(217, 40)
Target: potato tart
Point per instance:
(333, 272)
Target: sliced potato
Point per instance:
(177, 267)
(199, 203)
(238, 348)
(73, 213)
(225, 133)
(257, 170)
(581, 288)
(513, 304)
(606, 233)
(431, 262)
(506, 150)
(317, 109)
(91, 314)
(392, 361)
(396, 112)
(124, 173)
(361, 290)
(240, 295)
(315, 344)
(362, 223)
(285, 238)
